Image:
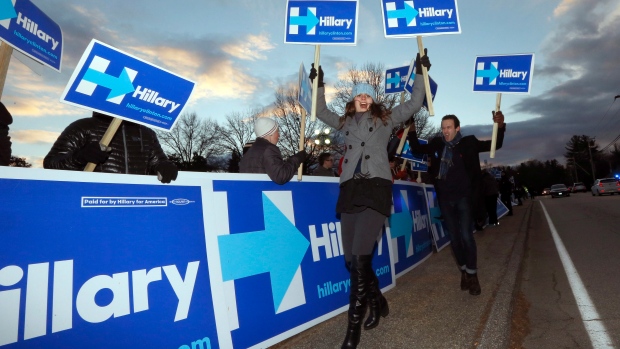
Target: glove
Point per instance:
(167, 172)
(93, 152)
(424, 61)
(498, 117)
(301, 156)
(313, 75)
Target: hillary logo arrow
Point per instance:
(408, 13)
(394, 79)
(401, 223)
(7, 10)
(118, 85)
(310, 20)
(490, 73)
(277, 250)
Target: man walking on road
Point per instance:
(455, 169)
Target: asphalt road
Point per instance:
(547, 313)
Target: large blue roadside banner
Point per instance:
(113, 82)
(26, 28)
(409, 227)
(104, 260)
(102, 265)
(282, 257)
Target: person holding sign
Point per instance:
(5, 141)
(134, 149)
(264, 155)
(456, 173)
(365, 198)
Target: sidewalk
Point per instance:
(428, 308)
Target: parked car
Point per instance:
(604, 186)
(559, 191)
(545, 191)
(579, 187)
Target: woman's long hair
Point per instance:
(378, 111)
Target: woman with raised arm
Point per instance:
(365, 197)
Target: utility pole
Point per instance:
(575, 168)
(590, 146)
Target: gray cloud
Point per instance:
(581, 61)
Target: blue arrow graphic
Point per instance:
(394, 79)
(278, 250)
(409, 13)
(7, 11)
(435, 214)
(118, 86)
(490, 73)
(401, 224)
(310, 20)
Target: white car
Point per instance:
(606, 186)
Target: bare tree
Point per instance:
(370, 73)
(288, 113)
(373, 74)
(193, 143)
(237, 130)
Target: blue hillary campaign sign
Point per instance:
(418, 166)
(321, 22)
(280, 265)
(410, 84)
(409, 227)
(504, 73)
(420, 160)
(406, 18)
(25, 27)
(103, 265)
(115, 83)
(304, 87)
(396, 79)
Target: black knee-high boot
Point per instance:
(360, 279)
(377, 304)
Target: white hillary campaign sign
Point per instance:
(504, 73)
(30, 31)
(406, 18)
(112, 82)
(321, 22)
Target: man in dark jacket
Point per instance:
(264, 156)
(5, 141)
(455, 169)
(134, 149)
(490, 191)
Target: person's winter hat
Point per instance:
(364, 88)
(263, 127)
(5, 117)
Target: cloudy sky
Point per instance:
(235, 52)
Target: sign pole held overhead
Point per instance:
(105, 140)
(5, 59)
(498, 102)
(429, 96)
(315, 83)
(302, 141)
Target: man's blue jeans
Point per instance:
(457, 216)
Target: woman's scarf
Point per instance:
(446, 157)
